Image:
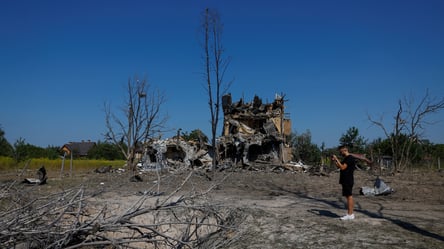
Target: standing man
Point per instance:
(347, 167)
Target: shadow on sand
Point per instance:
(379, 215)
(325, 213)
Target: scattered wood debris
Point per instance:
(75, 218)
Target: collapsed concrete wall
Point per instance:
(255, 131)
(175, 152)
(252, 132)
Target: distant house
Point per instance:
(79, 149)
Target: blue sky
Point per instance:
(336, 61)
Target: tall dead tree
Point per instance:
(141, 119)
(408, 128)
(215, 64)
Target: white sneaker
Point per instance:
(348, 217)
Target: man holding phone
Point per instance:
(347, 167)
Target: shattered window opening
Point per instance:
(255, 130)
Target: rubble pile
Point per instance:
(379, 188)
(253, 134)
(175, 152)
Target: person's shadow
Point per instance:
(379, 215)
(325, 213)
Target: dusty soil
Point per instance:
(292, 209)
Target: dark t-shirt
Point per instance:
(346, 175)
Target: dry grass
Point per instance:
(7, 163)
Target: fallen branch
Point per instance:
(70, 219)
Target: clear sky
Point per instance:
(336, 61)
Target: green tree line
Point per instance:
(21, 150)
(421, 152)
(302, 146)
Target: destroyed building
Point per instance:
(175, 152)
(255, 132)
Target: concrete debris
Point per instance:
(120, 170)
(103, 169)
(41, 177)
(379, 188)
(300, 165)
(174, 152)
(150, 193)
(253, 134)
(136, 178)
(109, 169)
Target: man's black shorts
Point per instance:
(347, 189)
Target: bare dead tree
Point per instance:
(215, 64)
(142, 119)
(410, 121)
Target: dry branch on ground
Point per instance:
(74, 219)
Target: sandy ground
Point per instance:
(293, 209)
(302, 211)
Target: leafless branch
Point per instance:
(141, 120)
(409, 126)
(69, 219)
